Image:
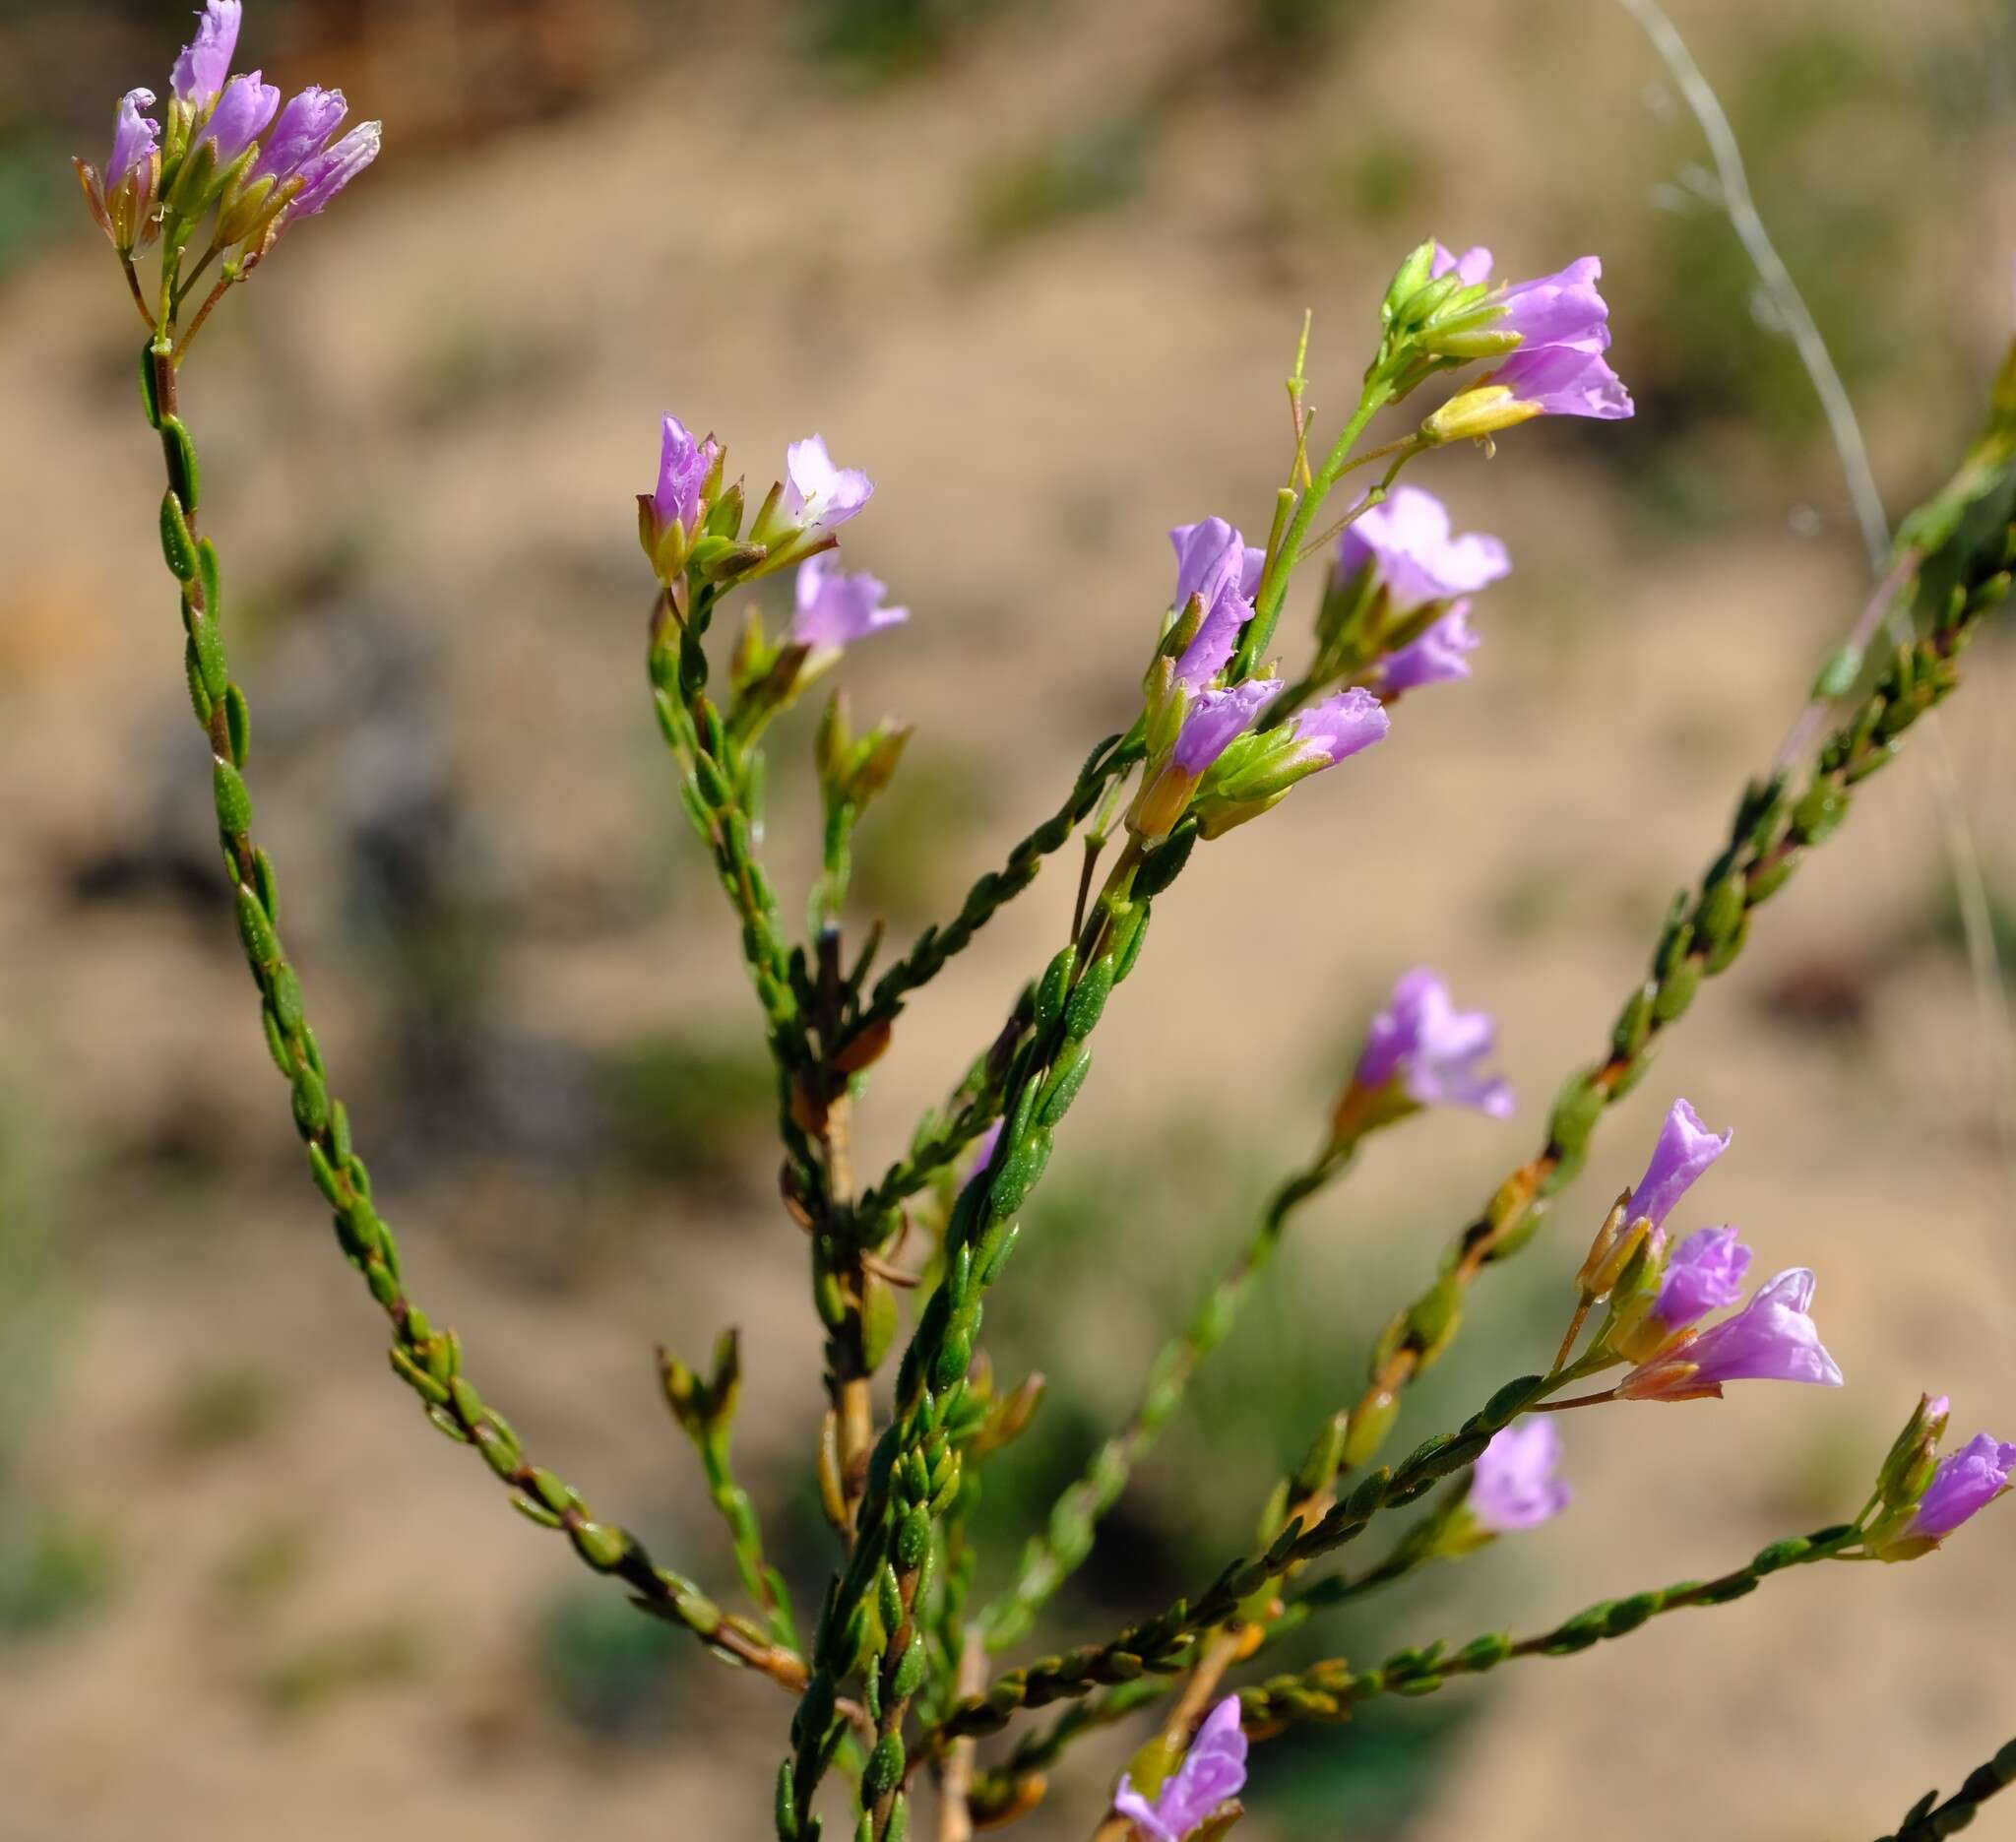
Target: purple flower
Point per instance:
(323, 176)
(1559, 309)
(206, 59)
(1210, 554)
(1216, 639)
(1685, 1149)
(1470, 267)
(240, 116)
(982, 1153)
(1218, 719)
(1514, 1485)
(1707, 1272)
(1564, 380)
(1437, 657)
(683, 465)
(837, 609)
(1966, 1482)
(1434, 1049)
(1212, 1774)
(1772, 1338)
(1407, 540)
(303, 130)
(1338, 726)
(819, 496)
(135, 139)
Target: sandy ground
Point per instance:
(443, 401)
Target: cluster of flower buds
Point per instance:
(1548, 336)
(1657, 1298)
(690, 528)
(1923, 1498)
(691, 524)
(1210, 755)
(229, 145)
(854, 769)
(1198, 1800)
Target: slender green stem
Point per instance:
(1402, 451)
(1280, 561)
(429, 1361)
(936, 947)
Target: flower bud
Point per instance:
(1907, 1469)
(1603, 1256)
(1476, 414)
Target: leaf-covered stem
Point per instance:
(1328, 1691)
(915, 1475)
(429, 1361)
(1928, 1821)
(1169, 1642)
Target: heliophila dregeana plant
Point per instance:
(892, 1683)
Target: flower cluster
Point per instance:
(230, 144)
(690, 527)
(1659, 1298)
(1548, 335)
(1212, 752)
(1923, 1498)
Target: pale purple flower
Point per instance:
(1564, 380)
(303, 130)
(1514, 1485)
(240, 116)
(1965, 1483)
(1218, 719)
(817, 495)
(1559, 309)
(1685, 1149)
(323, 176)
(1772, 1338)
(1210, 553)
(1434, 1049)
(1341, 726)
(135, 138)
(1707, 1272)
(683, 465)
(1409, 540)
(1216, 639)
(1437, 656)
(837, 609)
(1470, 268)
(206, 59)
(1212, 1774)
